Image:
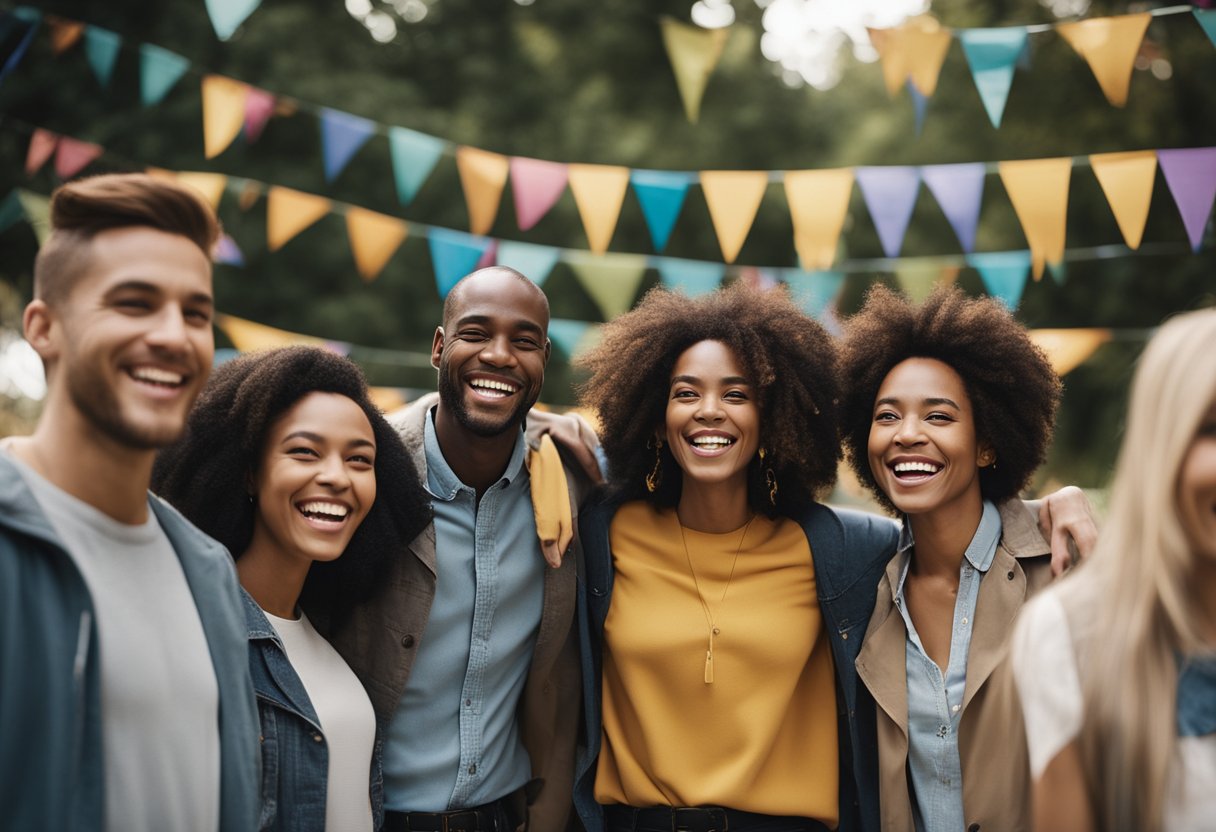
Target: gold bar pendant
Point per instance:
(709, 667)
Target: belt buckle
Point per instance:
(711, 819)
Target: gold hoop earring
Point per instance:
(656, 474)
(770, 479)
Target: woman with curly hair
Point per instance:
(1116, 664)
(947, 413)
(287, 463)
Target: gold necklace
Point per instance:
(710, 619)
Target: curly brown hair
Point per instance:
(774, 341)
(1013, 389)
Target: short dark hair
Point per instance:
(206, 474)
(83, 208)
(789, 358)
(449, 302)
(1013, 389)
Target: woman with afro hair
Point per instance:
(947, 412)
(287, 463)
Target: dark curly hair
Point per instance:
(205, 474)
(788, 357)
(1013, 389)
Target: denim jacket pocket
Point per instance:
(270, 764)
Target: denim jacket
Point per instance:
(850, 550)
(295, 757)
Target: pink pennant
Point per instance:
(42, 145)
(259, 107)
(72, 156)
(537, 186)
(490, 256)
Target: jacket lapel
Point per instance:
(881, 663)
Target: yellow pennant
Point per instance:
(483, 175)
(611, 280)
(819, 202)
(915, 50)
(917, 280)
(209, 185)
(1068, 348)
(1110, 46)
(598, 192)
(373, 239)
(289, 212)
(387, 399)
(223, 112)
(248, 336)
(1038, 189)
(1127, 180)
(694, 53)
(733, 197)
(64, 33)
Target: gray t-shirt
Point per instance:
(159, 698)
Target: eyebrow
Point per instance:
(697, 380)
(485, 320)
(152, 288)
(313, 437)
(934, 401)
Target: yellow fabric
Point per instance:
(550, 500)
(762, 737)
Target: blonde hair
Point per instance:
(1136, 612)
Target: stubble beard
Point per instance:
(452, 398)
(100, 407)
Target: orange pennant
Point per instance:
(598, 192)
(289, 212)
(915, 50)
(373, 239)
(223, 112)
(1110, 46)
(1068, 348)
(1127, 181)
(64, 33)
(733, 197)
(210, 185)
(250, 336)
(1038, 189)
(482, 175)
(819, 202)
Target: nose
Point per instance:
(709, 409)
(169, 329)
(497, 352)
(909, 432)
(333, 473)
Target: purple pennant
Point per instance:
(890, 194)
(342, 134)
(1191, 175)
(958, 189)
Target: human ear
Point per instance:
(41, 327)
(437, 347)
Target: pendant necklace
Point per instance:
(710, 619)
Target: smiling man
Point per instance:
(469, 653)
(124, 694)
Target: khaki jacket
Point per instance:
(382, 636)
(992, 741)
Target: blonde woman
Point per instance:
(1116, 666)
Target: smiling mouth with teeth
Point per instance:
(157, 376)
(330, 512)
(711, 442)
(491, 387)
(913, 469)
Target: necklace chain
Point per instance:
(710, 619)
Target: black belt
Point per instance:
(697, 819)
(506, 814)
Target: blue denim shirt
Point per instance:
(295, 757)
(935, 699)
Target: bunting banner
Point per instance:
(37, 209)
(414, 156)
(30, 18)
(568, 335)
(342, 135)
(488, 257)
(914, 51)
(890, 195)
(611, 280)
(918, 280)
(42, 146)
(227, 15)
(661, 196)
(288, 212)
(920, 104)
(1127, 180)
(72, 156)
(1110, 46)
(598, 192)
(227, 252)
(259, 107)
(692, 277)
(1069, 348)
(453, 255)
(733, 197)
(694, 53)
(819, 202)
(210, 185)
(1004, 274)
(1038, 189)
(1191, 176)
(11, 211)
(248, 336)
(813, 291)
(532, 261)
(536, 185)
(482, 175)
(64, 34)
(1207, 19)
(959, 191)
(374, 238)
(992, 55)
(159, 72)
(101, 48)
(223, 112)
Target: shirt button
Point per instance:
(1009, 575)
(473, 769)
(317, 738)
(844, 636)
(964, 621)
(407, 641)
(468, 703)
(954, 710)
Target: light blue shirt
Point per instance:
(454, 741)
(935, 702)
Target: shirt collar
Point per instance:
(441, 481)
(980, 551)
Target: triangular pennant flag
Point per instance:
(1191, 175)
(10, 211)
(1004, 274)
(101, 48)
(813, 291)
(598, 192)
(42, 145)
(1127, 181)
(992, 55)
(373, 239)
(64, 33)
(387, 399)
(227, 252)
(342, 134)
(532, 261)
(223, 112)
(692, 277)
(1207, 19)
(537, 186)
(612, 280)
(917, 279)
(31, 18)
(567, 334)
(661, 195)
(1110, 46)
(289, 212)
(73, 156)
(959, 190)
(890, 194)
(482, 175)
(914, 51)
(259, 107)
(694, 53)
(159, 71)
(37, 210)
(248, 336)
(489, 257)
(248, 194)
(819, 202)
(228, 15)
(733, 197)
(453, 255)
(1038, 189)
(920, 103)
(210, 185)
(1068, 348)
(414, 157)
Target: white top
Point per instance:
(347, 721)
(159, 698)
(1045, 668)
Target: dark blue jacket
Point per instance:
(850, 549)
(295, 756)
